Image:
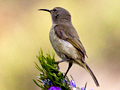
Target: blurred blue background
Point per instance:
(24, 29)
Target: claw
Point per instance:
(58, 68)
(57, 65)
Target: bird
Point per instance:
(65, 40)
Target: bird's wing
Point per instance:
(60, 31)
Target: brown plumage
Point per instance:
(65, 40)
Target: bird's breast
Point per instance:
(63, 48)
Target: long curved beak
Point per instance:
(44, 10)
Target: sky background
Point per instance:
(24, 30)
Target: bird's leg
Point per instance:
(63, 60)
(70, 65)
(60, 62)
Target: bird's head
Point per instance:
(59, 14)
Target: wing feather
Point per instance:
(60, 31)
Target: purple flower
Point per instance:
(47, 81)
(57, 88)
(50, 83)
(64, 81)
(54, 88)
(83, 88)
(44, 81)
(72, 83)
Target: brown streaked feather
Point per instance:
(71, 37)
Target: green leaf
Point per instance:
(38, 84)
(48, 72)
(85, 85)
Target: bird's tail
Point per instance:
(91, 73)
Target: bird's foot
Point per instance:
(57, 65)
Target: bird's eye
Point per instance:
(54, 10)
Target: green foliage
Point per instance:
(85, 86)
(49, 75)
